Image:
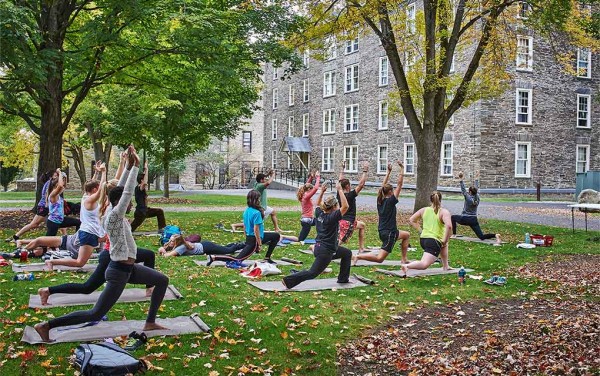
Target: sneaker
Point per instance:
(219, 226)
(270, 261)
(294, 271)
(500, 281)
(135, 341)
(438, 260)
(209, 260)
(491, 281)
(235, 264)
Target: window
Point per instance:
(327, 159)
(524, 53)
(410, 58)
(409, 158)
(275, 99)
(351, 78)
(305, 124)
(524, 9)
(305, 88)
(524, 99)
(274, 129)
(291, 126)
(289, 162)
(292, 94)
(328, 84)
(224, 145)
(452, 67)
(273, 159)
(523, 159)
(584, 63)
(306, 58)
(383, 71)
(406, 122)
(446, 158)
(583, 158)
(330, 49)
(410, 18)
(329, 121)
(383, 115)
(275, 73)
(583, 110)
(382, 159)
(351, 46)
(247, 141)
(351, 118)
(351, 158)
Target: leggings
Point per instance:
(140, 215)
(323, 257)
(117, 276)
(97, 279)
(471, 221)
(270, 238)
(306, 224)
(52, 227)
(211, 248)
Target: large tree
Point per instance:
(54, 53)
(424, 40)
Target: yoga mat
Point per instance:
(371, 263)
(306, 251)
(110, 329)
(420, 273)
(354, 251)
(246, 263)
(310, 241)
(145, 233)
(310, 285)
(128, 296)
(41, 267)
(476, 240)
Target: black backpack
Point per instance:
(106, 359)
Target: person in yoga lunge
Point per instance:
(304, 195)
(262, 183)
(327, 248)
(469, 213)
(142, 211)
(435, 233)
(348, 222)
(122, 268)
(387, 198)
(255, 232)
(178, 246)
(56, 206)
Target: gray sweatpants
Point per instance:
(117, 278)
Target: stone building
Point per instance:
(544, 128)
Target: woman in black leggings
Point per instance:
(326, 248)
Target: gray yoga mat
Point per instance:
(41, 267)
(128, 296)
(476, 240)
(371, 263)
(246, 263)
(354, 251)
(110, 329)
(420, 273)
(145, 233)
(310, 285)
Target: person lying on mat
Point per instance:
(39, 246)
(122, 268)
(468, 217)
(327, 248)
(178, 246)
(434, 234)
(387, 198)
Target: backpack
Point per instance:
(169, 231)
(106, 359)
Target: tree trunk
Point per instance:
(78, 162)
(428, 145)
(166, 160)
(51, 141)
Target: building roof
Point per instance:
(295, 145)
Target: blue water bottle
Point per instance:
(24, 277)
(527, 238)
(461, 275)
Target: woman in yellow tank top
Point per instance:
(436, 231)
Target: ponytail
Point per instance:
(436, 201)
(382, 193)
(302, 190)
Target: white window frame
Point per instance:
(351, 78)
(330, 48)
(578, 161)
(383, 119)
(351, 158)
(588, 117)
(529, 107)
(329, 83)
(384, 69)
(524, 9)
(274, 129)
(351, 46)
(290, 131)
(527, 173)
(273, 159)
(275, 73)
(446, 162)
(411, 16)
(291, 94)
(381, 161)
(289, 162)
(275, 98)
(305, 90)
(329, 118)
(409, 163)
(524, 58)
(587, 69)
(351, 118)
(305, 124)
(327, 159)
(247, 142)
(306, 58)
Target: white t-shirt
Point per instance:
(183, 251)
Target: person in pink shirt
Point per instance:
(305, 194)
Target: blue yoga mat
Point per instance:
(310, 241)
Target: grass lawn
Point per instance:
(274, 333)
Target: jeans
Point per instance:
(211, 248)
(140, 215)
(471, 221)
(306, 224)
(323, 257)
(270, 238)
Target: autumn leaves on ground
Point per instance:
(544, 321)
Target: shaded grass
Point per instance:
(298, 332)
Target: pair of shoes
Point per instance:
(219, 226)
(496, 280)
(210, 260)
(235, 264)
(269, 261)
(294, 271)
(13, 238)
(438, 260)
(135, 341)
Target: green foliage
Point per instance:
(8, 175)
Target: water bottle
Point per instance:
(23, 255)
(24, 277)
(461, 275)
(527, 238)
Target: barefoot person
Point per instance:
(327, 247)
(387, 198)
(262, 183)
(56, 206)
(348, 223)
(469, 213)
(304, 195)
(122, 268)
(435, 233)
